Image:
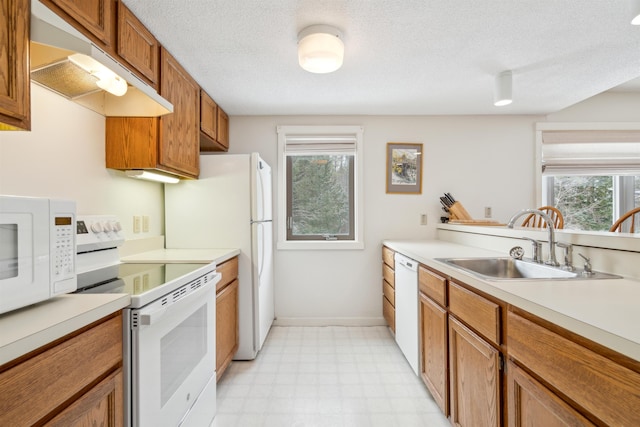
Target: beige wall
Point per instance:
(64, 156)
(481, 160)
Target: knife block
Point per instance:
(457, 211)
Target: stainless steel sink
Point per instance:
(514, 269)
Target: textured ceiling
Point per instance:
(408, 57)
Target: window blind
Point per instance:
(315, 144)
(591, 152)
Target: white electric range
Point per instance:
(168, 329)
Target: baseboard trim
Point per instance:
(329, 321)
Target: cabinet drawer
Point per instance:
(602, 387)
(388, 257)
(389, 313)
(433, 285)
(46, 381)
(389, 275)
(229, 271)
(477, 312)
(389, 292)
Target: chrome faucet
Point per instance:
(552, 239)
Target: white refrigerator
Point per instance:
(230, 206)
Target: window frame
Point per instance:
(623, 174)
(283, 239)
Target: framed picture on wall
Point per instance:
(404, 168)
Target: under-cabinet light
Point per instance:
(152, 176)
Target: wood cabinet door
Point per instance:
(208, 115)
(532, 404)
(223, 129)
(15, 93)
(180, 131)
(227, 340)
(138, 46)
(96, 17)
(100, 406)
(434, 351)
(474, 369)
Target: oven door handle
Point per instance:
(151, 317)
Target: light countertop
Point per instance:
(216, 255)
(606, 311)
(29, 328)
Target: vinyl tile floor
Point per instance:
(326, 376)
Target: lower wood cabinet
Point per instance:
(227, 320)
(100, 406)
(434, 351)
(602, 385)
(474, 378)
(532, 404)
(77, 381)
(388, 287)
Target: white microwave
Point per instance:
(37, 250)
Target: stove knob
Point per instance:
(108, 227)
(96, 227)
(116, 226)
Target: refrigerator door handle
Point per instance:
(261, 222)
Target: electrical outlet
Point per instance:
(423, 219)
(145, 223)
(136, 224)
(487, 212)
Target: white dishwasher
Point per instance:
(406, 278)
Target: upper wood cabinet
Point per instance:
(138, 46)
(180, 131)
(15, 93)
(94, 18)
(214, 125)
(169, 143)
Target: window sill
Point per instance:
(320, 245)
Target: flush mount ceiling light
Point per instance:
(502, 91)
(635, 12)
(320, 49)
(151, 176)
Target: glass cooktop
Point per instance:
(135, 279)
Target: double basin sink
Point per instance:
(515, 269)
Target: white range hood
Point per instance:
(65, 61)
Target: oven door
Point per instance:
(173, 357)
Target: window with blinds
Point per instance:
(321, 184)
(592, 176)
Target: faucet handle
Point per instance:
(587, 265)
(568, 250)
(536, 248)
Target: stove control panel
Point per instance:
(95, 232)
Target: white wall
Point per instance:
(64, 156)
(481, 160)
